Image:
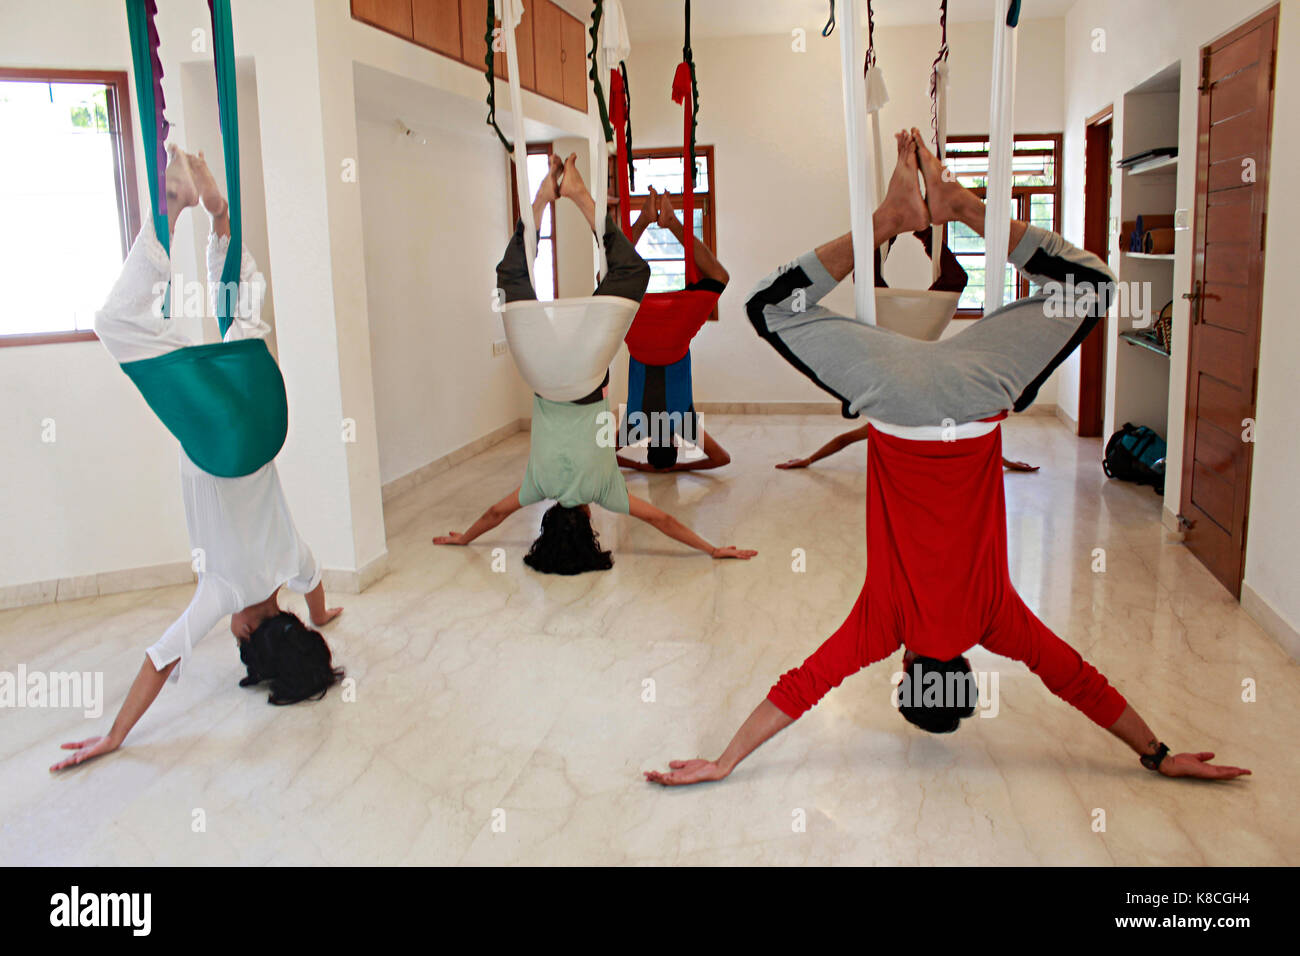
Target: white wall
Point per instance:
(1142, 39)
(432, 237)
(1274, 534)
(776, 120)
(104, 496)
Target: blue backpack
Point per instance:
(1136, 453)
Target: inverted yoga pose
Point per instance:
(572, 458)
(240, 529)
(659, 383)
(937, 579)
(952, 278)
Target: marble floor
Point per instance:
(505, 718)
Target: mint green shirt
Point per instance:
(566, 460)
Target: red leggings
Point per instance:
(1014, 631)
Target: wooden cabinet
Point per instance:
(573, 57)
(391, 15)
(436, 24)
(473, 38)
(473, 32)
(548, 46)
(552, 43)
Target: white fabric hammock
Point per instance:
(563, 348)
(919, 313)
(997, 201)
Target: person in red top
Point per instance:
(938, 582)
(659, 355)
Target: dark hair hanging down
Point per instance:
(662, 457)
(568, 544)
(293, 657)
(937, 695)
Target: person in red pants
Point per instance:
(937, 579)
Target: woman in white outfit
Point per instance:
(244, 541)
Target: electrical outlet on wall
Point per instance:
(1182, 219)
(498, 348)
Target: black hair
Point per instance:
(568, 544)
(662, 457)
(293, 657)
(938, 695)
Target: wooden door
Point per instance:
(1096, 239)
(548, 44)
(1232, 162)
(391, 15)
(436, 25)
(574, 39)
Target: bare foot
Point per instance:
(650, 208)
(945, 197)
(209, 190)
(903, 197)
(550, 187)
(182, 193)
(667, 213)
(572, 185)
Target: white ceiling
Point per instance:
(662, 19)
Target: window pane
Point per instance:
(968, 246)
(1042, 210)
(539, 164)
(1030, 165)
(545, 270)
(664, 173)
(62, 233)
(666, 256)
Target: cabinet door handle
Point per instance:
(1187, 524)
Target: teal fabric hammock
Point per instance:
(224, 402)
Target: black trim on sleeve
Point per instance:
(1060, 270)
(706, 285)
(785, 285)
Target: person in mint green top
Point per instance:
(566, 461)
(572, 456)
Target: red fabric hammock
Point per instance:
(666, 323)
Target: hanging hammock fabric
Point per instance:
(563, 348)
(1002, 104)
(862, 186)
(917, 313)
(224, 402)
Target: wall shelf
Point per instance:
(1137, 340)
(1162, 257)
(1153, 165)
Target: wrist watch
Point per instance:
(1153, 761)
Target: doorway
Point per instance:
(1096, 239)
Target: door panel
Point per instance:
(548, 44)
(1234, 124)
(574, 59)
(1245, 51)
(1097, 173)
(436, 25)
(1237, 137)
(474, 38)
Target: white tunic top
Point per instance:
(243, 539)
